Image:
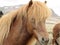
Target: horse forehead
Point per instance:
(38, 12)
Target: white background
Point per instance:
(54, 4)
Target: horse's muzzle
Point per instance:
(40, 39)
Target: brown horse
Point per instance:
(27, 25)
(56, 33)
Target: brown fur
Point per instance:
(56, 31)
(28, 22)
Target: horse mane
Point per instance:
(39, 10)
(34, 10)
(5, 22)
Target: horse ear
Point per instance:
(45, 2)
(30, 3)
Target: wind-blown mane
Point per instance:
(17, 26)
(5, 23)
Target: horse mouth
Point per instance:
(42, 42)
(39, 38)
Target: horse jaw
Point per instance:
(39, 37)
(32, 41)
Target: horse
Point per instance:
(1, 13)
(25, 25)
(56, 34)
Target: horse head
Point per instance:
(36, 14)
(29, 21)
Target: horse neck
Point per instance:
(18, 39)
(18, 34)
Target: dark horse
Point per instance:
(1, 13)
(56, 33)
(28, 23)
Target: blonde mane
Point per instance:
(38, 10)
(5, 22)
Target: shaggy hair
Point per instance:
(38, 11)
(5, 22)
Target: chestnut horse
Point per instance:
(56, 33)
(26, 25)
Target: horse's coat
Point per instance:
(56, 33)
(25, 23)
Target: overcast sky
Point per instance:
(54, 4)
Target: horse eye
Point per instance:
(33, 23)
(33, 20)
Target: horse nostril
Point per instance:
(47, 40)
(42, 39)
